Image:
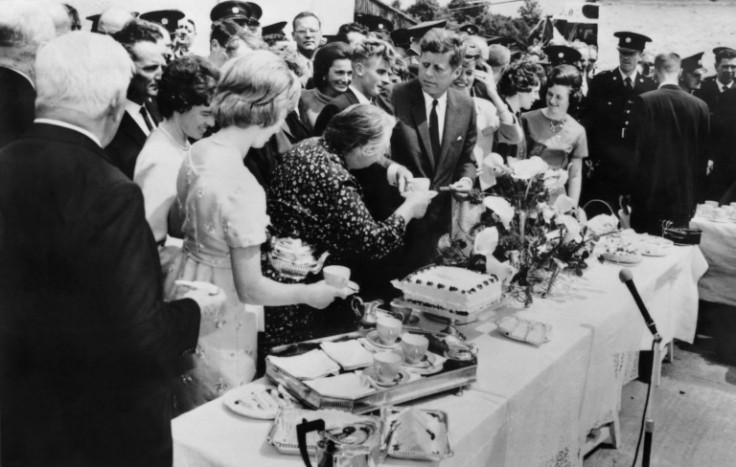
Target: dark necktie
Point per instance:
(147, 118)
(627, 83)
(434, 131)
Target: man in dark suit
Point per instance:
(23, 26)
(608, 118)
(434, 137)
(671, 151)
(87, 347)
(712, 86)
(142, 41)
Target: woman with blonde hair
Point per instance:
(225, 223)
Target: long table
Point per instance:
(718, 244)
(531, 406)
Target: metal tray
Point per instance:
(455, 374)
(444, 445)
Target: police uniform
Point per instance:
(711, 89)
(609, 120)
(692, 65)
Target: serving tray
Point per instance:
(454, 374)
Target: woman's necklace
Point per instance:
(555, 126)
(184, 147)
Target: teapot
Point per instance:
(360, 444)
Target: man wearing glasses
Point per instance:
(308, 37)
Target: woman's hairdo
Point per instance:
(324, 58)
(356, 126)
(186, 82)
(567, 75)
(518, 77)
(255, 89)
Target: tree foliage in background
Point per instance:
(424, 10)
(462, 13)
(530, 12)
(396, 4)
(493, 24)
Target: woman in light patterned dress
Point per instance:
(225, 224)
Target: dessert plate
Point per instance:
(256, 401)
(429, 365)
(376, 341)
(622, 259)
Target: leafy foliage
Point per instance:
(424, 10)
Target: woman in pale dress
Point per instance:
(225, 224)
(185, 91)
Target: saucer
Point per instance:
(402, 377)
(375, 341)
(428, 361)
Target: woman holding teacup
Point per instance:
(225, 222)
(313, 197)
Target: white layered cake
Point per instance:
(454, 289)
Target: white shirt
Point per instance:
(441, 111)
(361, 98)
(51, 121)
(632, 76)
(134, 110)
(722, 87)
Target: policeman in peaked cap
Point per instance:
(562, 55)
(692, 72)
(166, 18)
(469, 29)
(275, 28)
(713, 86)
(240, 12)
(608, 117)
(375, 23)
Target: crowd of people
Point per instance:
(134, 173)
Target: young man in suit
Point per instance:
(87, 346)
(671, 151)
(434, 137)
(143, 41)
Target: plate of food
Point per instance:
(258, 401)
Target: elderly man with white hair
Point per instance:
(23, 26)
(86, 344)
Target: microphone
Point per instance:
(627, 278)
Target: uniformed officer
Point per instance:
(692, 72)
(562, 55)
(713, 86)
(609, 123)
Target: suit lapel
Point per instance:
(131, 128)
(420, 120)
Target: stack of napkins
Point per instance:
(349, 354)
(345, 386)
(309, 365)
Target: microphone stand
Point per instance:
(656, 367)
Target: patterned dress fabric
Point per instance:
(224, 207)
(314, 198)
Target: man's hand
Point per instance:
(462, 187)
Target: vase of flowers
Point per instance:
(518, 232)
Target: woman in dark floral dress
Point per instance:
(314, 198)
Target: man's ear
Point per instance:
(116, 108)
(358, 68)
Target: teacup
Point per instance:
(336, 276)
(418, 184)
(414, 347)
(388, 328)
(387, 366)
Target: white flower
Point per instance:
(526, 169)
(492, 167)
(555, 179)
(547, 212)
(501, 207)
(572, 227)
(486, 241)
(564, 204)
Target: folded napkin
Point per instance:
(349, 354)
(310, 365)
(345, 386)
(524, 330)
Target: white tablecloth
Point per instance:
(718, 245)
(530, 406)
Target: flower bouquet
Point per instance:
(515, 230)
